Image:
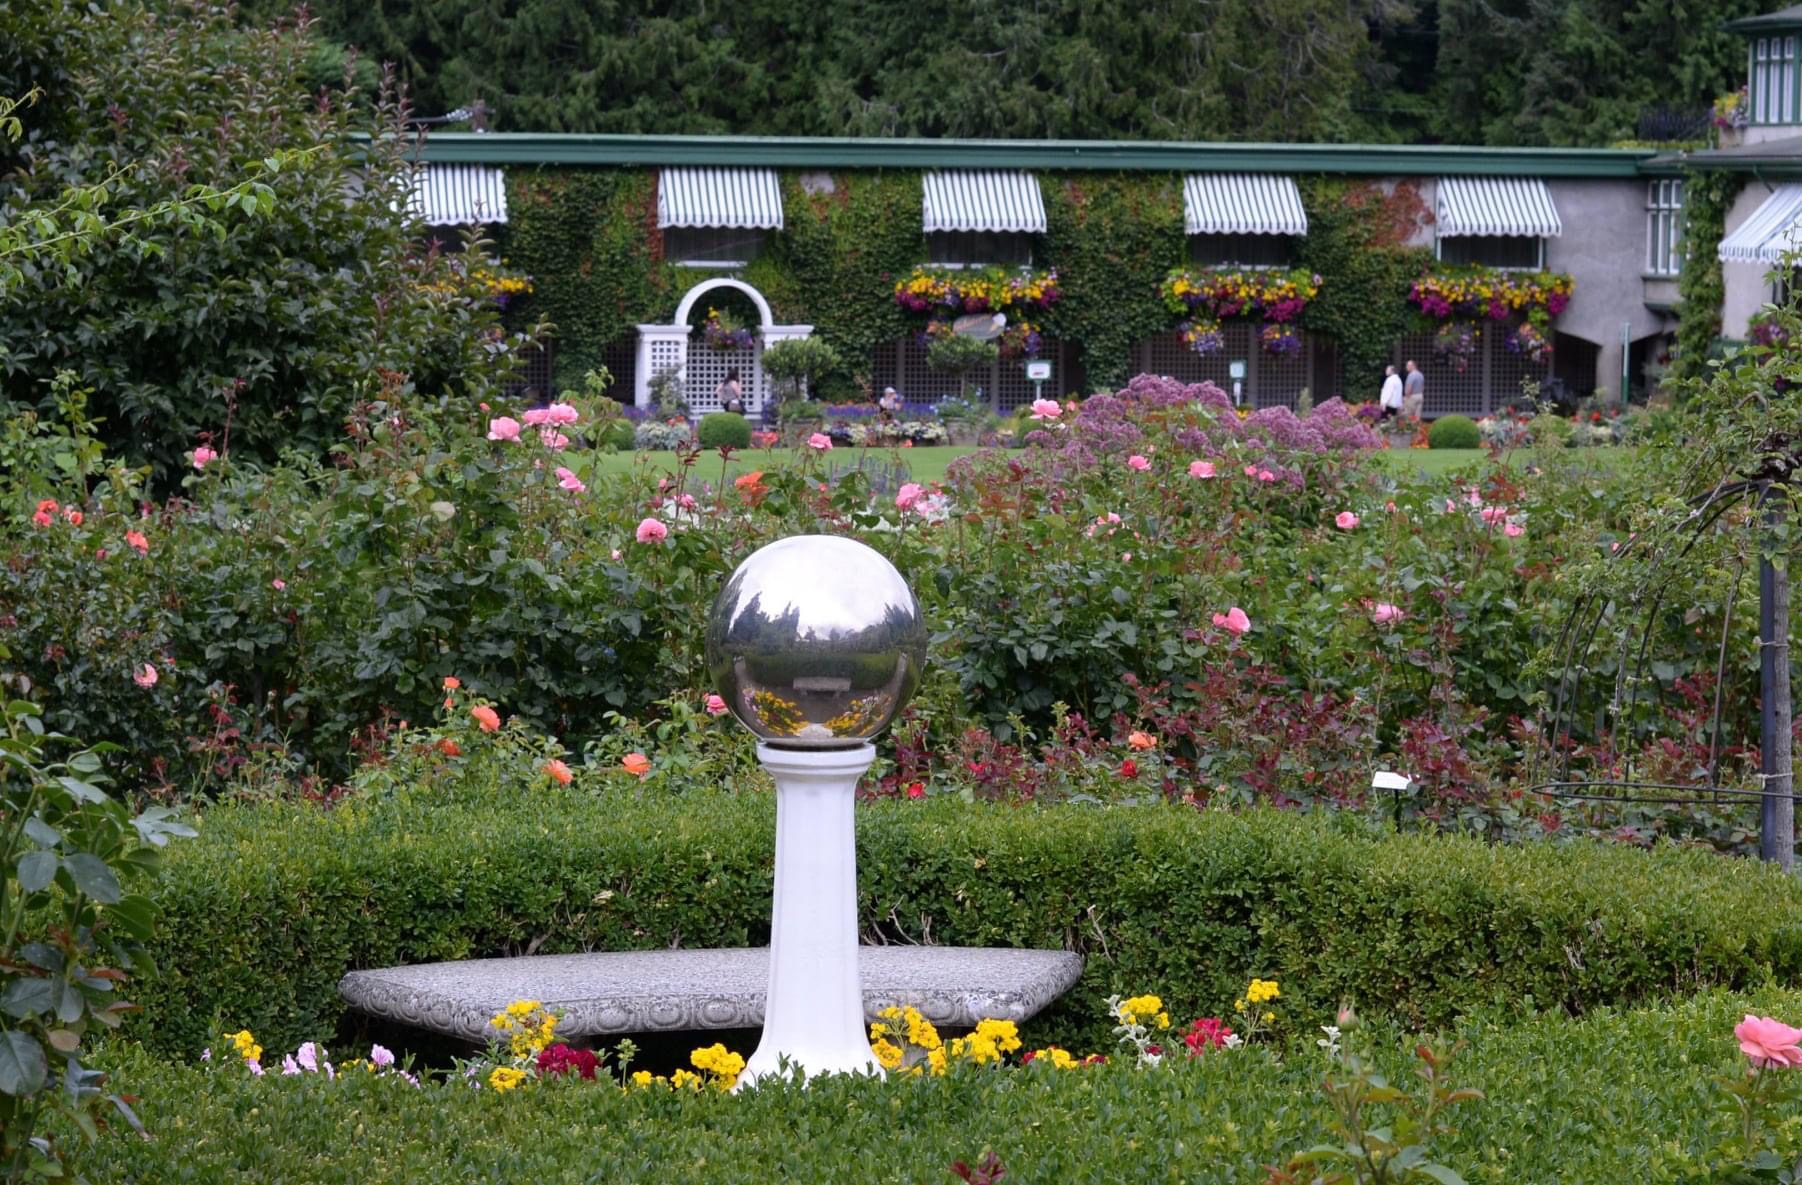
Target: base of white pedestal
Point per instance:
(813, 1020)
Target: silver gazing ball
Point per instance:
(816, 642)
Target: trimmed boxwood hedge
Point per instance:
(1607, 1099)
(264, 912)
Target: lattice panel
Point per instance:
(707, 369)
(1014, 390)
(1277, 379)
(1507, 369)
(1447, 391)
(667, 354)
(621, 360)
(916, 381)
(1270, 379)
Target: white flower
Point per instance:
(1330, 1042)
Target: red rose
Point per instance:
(1129, 768)
(916, 790)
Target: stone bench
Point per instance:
(606, 993)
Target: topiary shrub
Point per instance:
(1454, 432)
(722, 429)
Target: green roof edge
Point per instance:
(557, 148)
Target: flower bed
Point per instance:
(1617, 1097)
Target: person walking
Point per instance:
(730, 394)
(1414, 392)
(1391, 401)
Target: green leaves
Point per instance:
(23, 1069)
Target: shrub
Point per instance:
(266, 911)
(1454, 432)
(618, 435)
(661, 435)
(799, 362)
(724, 429)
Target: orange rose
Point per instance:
(558, 771)
(448, 747)
(486, 717)
(636, 763)
(451, 683)
(1141, 740)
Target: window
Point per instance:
(1773, 88)
(1664, 228)
(711, 246)
(979, 248)
(1521, 252)
(1246, 250)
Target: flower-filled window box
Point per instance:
(1207, 296)
(1520, 304)
(949, 293)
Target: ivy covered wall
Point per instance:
(589, 239)
(1701, 285)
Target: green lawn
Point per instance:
(928, 464)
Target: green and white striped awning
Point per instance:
(1497, 206)
(455, 195)
(1242, 204)
(983, 199)
(1773, 231)
(745, 199)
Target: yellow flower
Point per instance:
(1262, 990)
(1163, 1020)
(1004, 1035)
(936, 1060)
(888, 1054)
(1269, 1016)
(523, 1008)
(505, 1077)
(683, 1079)
(723, 1064)
(642, 1078)
(1140, 1008)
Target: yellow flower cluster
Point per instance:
(1260, 991)
(896, 1031)
(722, 1063)
(1230, 292)
(527, 1027)
(505, 1077)
(1145, 1010)
(1058, 1059)
(1481, 289)
(991, 1039)
(495, 284)
(246, 1045)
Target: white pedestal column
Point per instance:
(814, 1014)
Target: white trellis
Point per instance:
(701, 367)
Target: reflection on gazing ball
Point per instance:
(816, 642)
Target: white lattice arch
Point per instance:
(663, 347)
(694, 294)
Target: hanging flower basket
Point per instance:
(1456, 343)
(1202, 336)
(1529, 343)
(1279, 338)
(724, 334)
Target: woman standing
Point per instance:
(729, 394)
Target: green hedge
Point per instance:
(1454, 432)
(266, 910)
(1608, 1099)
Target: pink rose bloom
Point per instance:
(819, 441)
(503, 428)
(908, 495)
(138, 542)
(202, 455)
(1386, 614)
(1201, 468)
(570, 481)
(278, 584)
(1473, 497)
(716, 706)
(1127, 558)
(1251, 471)
(537, 417)
(553, 439)
(1390, 507)
(651, 531)
(1137, 462)
(616, 553)
(144, 676)
(1046, 409)
(686, 501)
(1346, 521)
(1494, 514)
(561, 413)
(1266, 475)
(1233, 621)
(1451, 507)
(1768, 1042)
(1514, 530)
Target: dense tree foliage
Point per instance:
(264, 333)
(1471, 71)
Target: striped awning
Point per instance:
(1773, 231)
(1497, 206)
(742, 199)
(1242, 204)
(452, 195)
(983, 199)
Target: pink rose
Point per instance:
(1494, 514)
(1137, 462)
(503, 428)
(651, 531)
(138, 542)
(561, 413)
(1046, 409)
(1346, 521)
(1266, 475)
(1233, 621)
(570, 481)
(537, 417)
(1514, 530)
(553, 439)
(202, 455)
(908, 495)
(1201, 469)
(1251, 471)
(1386, 614)
(278, 584)
(819, 441)
(716, 706)
(1768, 1042)
(1389, 506)
(686, 501)
(144, 676)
